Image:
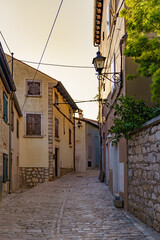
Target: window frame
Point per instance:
(33, 81)
(70, 136)
(41, 118)
(5, 107)
(108, 18)
(56, 127)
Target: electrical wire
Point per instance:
(58, 65)
(45, 47)
(5, 43)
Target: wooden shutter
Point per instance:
(5, 167)
(33, 88)
(17, 128)
(70, 136)
(5, 107)
(56, 128)
(33, 124)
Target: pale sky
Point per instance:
(26, 24)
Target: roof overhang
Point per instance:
(98, 9)
(66, 95)
(6, 73)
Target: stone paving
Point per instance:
(76, 206)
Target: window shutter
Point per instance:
(33, 88)
(70, 136)
(33, 124)
(5, 167)
(17, 128)
(5, 107)
(56, 128)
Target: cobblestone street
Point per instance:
(76, 206)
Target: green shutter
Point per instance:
(5, 107)
(5, 167)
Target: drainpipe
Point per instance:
(74, 145)
(10, 137)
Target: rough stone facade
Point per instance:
(144, 174)
(50, 131)
(30, 177)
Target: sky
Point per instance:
(26, 24)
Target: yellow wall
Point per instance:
(33, 150)
(65, 150)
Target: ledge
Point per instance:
(33, 136)
(57, 139)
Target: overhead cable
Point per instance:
(45, 47)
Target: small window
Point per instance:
(56, 128)
(70, 114)
(70, 136)
(17, 128)
(33, 88)
(12, 116)
(5, 167)
(108, 19)
(113, 70)
(33, 124)
(56, 99)
(5, 107)
(64, 127)
(89, 164)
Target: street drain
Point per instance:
(79, 176)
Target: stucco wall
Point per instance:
(144, 174)
(4, 140)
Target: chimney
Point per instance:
(80, 114)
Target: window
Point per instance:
(33, 124)
(56, 128)
(113, 70)
(56, 99)
(64, 129)
(5, 167)
(5, 107)
(70, 136)
(12, 116)
(69, 113)
(89, 164)
(108, 19)
(17, 128)
(33, 88)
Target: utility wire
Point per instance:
(57, 65)
(5, 43)
(45, 47)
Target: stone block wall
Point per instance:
(144, 174)
(30, 177)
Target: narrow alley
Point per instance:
(76, 206)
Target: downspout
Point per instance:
(10, 136)
(74, 144)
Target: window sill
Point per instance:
(33, 136)
(57, 139)
(36, 96)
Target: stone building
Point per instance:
(87, 148)
(9, 117)
(46, 129)
(109, 37)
